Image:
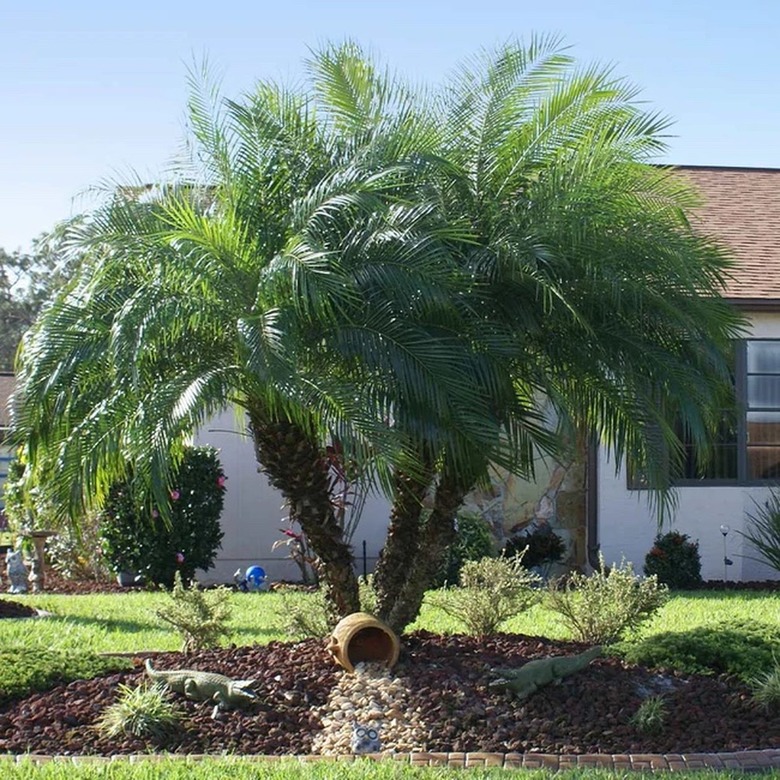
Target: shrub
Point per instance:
(200, 617)
(136, 542)
(766, 689)
(740, 648)
(313, 617)
(79, 555)
(763, 530)
(491, 591)
(146, 711)
(601, 607)
(675, 561)
(541, 544)
(651, 715)
(26, 670)
(473, 542)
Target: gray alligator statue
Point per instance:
(535, 674)
(206, 686)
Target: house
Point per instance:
(590, 502)
(742, 209)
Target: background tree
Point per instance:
(27, 280)
(411, 277)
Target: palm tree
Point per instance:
(298, 271)
(412, 276)
(593, 288)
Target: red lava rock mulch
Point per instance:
(447, 676)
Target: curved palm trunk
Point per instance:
(295, 466)
(402, 541)
(436, 538)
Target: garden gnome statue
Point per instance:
(17, 571)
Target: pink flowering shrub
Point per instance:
(136, 538)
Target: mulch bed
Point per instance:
(448, 677)
(13, 609)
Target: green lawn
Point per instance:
(126, 622)
(286, 769)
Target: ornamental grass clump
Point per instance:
(602, 607)
(146, 712)
(766, 688)
(200, 617)
(491, 591)
(650, 718)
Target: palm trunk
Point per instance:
(436, 538)
(402, 541)
(296, 466)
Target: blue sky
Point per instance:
(91, 91)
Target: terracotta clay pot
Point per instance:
(362, 637)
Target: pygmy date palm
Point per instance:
(412, 274)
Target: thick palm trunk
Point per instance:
(295, 465)
(402, 541)
(436, 538)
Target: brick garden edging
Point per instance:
(748, 760)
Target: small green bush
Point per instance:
(766, 689)
(675, 561)
(473, 542)
(650, 718)
(26, 670)
(601, 607)
(491, 591)
(136, 542)
(741, 648)
(200, 617)
(146, 712)
(541, 544)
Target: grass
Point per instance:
(126, 622)
(226, 768)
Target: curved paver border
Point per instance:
(747, 760)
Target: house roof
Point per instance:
(742, 209)
(6, 388)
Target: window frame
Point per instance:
(740, 391)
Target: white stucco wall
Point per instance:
(627, 525)
(254, 511)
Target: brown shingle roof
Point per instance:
(6, 388)
(742, 209)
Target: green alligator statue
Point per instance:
(535, 674)
(206, 686)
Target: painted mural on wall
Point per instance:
(556, 497)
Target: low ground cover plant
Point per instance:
(602, 607)
(24, 670)
(675, 560)
(743, 648)
(491, 591)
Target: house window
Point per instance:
(746, 446)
